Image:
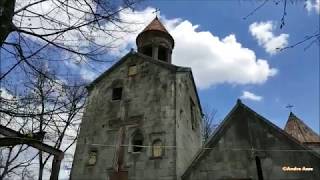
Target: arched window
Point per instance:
(137, 142)
(92, 160)
(147, 50)
(157, 148)
(162, 54)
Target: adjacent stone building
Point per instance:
(247, 146)
(304, 134)
(143, 122)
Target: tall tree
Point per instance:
(80, 30)
(47, 112)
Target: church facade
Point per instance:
(145, 103)
(143, 122)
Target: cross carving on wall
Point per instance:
(119, 156)
(119, 172)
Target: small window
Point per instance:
(116, 93)
(137, 142)
(162, 54)
(92, 158)
(157, 148)
(132, 70)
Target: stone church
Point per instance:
(143, 122)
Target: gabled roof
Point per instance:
(240, 108)
(145, 57)
(163, 64)
(155, 25)
(299, 130)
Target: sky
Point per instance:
(231, 49)
(235, 57)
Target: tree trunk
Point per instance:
(6, 14)
(55, 168)
(41, 166)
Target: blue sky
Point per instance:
(231, 57)
(297, 79)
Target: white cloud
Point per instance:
(123, 33)
(250, 96)
(5, 94)
(262, 32)
(87, 75)
(311, 5)
(213, 60)
(136, 21)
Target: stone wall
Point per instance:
(147, 105)
(188, 139)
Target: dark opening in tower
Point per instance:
(162, 54)
(147, 50)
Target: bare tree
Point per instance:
(47, 112)
(81, 30)
(208, 122)
(10, 162)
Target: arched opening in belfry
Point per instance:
(147, 50)
(162, 53)
(137, 142)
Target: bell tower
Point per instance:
(143, 116)
(156, 42)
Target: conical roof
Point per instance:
(299, 130)
(155, 25)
